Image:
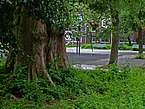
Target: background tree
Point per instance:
(133, 17)
(115, 12)
(110, 9)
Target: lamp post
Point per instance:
(78, 50)
(78, 41)
(79, 27)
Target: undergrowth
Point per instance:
(108, 46)
(140, 56)
(111, 88)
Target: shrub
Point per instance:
(140, 56)
(87, 46)
(90, 46)
(2, 63)
(126, 47)
(108, 46)
(137, 49)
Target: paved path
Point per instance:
(98, 57)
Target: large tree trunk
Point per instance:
(37, 47)
(57, 51)
(32, 40)
(115, 37)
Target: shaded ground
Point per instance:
(101, 57)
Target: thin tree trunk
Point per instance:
(140, 40)
(143, 34)
(115, 37)
(140, 35)
(129, 40)
(9, 65)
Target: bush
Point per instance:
(125, 47)
(137, 49)
(2, 63)
(87, 46)
(90, 46)
(108, 46)
(140, 56)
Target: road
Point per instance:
(101, 57)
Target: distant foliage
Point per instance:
(140, 56)
(125, 47)
(87, 46)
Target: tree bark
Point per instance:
(57, 51)
(38, 47)
(9, 65)
(115, 37)
(140, 40)
(140, 34)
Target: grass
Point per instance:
(111, 88)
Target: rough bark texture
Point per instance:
(37, 47)
(115, 38)
(57, 51)
(9, 65)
